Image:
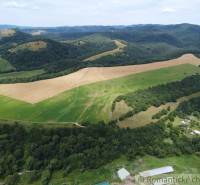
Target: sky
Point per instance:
(98, 12)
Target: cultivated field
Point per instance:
(90, 102)
(35, 92)
(120, 47)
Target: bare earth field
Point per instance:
(35, 92)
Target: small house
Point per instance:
(123, 174)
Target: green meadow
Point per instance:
(5, 66)
(91, 102)
(21, 74)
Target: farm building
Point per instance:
(123, 174)
(103, 183)
(195, 132)
(158, 171)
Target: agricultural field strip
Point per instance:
(120, 47)
(38, 91)
(72, 105)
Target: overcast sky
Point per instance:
(98, 12)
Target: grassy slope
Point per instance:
(22, 74)
(92, 102)
(5, 66)
(186, 164)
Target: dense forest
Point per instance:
(191, 107)
(155, 96)
(142, 54)
(36, 149)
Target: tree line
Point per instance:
(155, 96)
(191, 107)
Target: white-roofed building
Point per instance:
(123, 174)
(158, 171)
(197, 132)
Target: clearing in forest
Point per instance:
(145, 117)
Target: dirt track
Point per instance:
(120, 47)
(34, 92)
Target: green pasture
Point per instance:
(21, 74)
(91, 102)
(5, 66)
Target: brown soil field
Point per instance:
(34, 92)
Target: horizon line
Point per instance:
(94, 25)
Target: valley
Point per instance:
(77, 104)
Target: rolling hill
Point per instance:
(78, 103)
(35, 92)
(65, 53)
(25, 52)
(91, 103)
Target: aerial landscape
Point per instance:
(105, 100)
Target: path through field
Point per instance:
(120, 47)
(34, 92)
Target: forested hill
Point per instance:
(10, 38)
(62, 50)
(27, 52)
(133, 33)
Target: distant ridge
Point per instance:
(10, 26)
